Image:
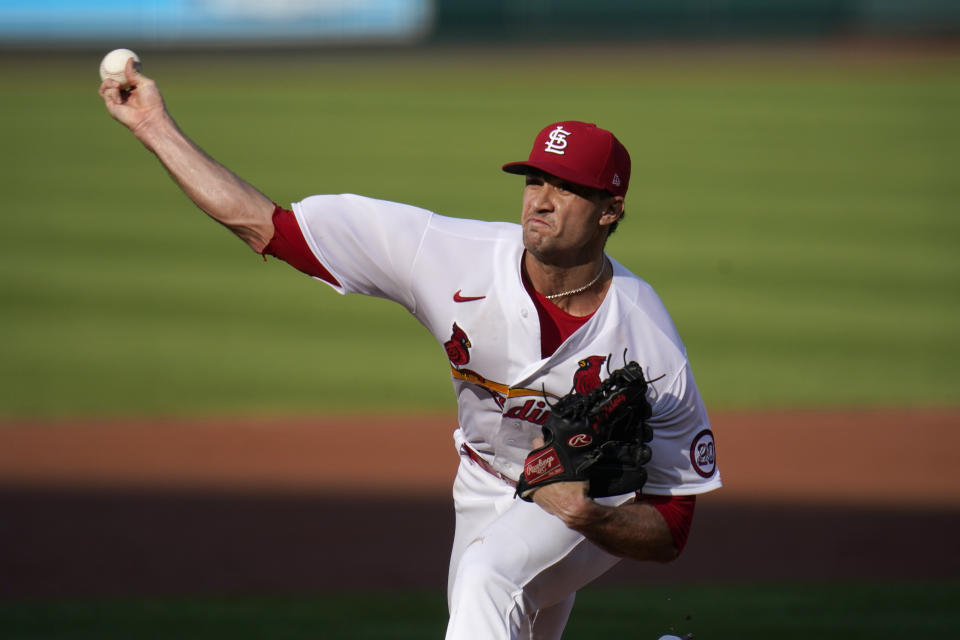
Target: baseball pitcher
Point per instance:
(581, 434)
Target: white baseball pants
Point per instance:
(514, 569)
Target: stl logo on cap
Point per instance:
(557, 141)
(596, 159)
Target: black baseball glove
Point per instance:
(600, 437)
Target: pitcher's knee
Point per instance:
(479, 579)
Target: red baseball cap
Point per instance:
(581, 153)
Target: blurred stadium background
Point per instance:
(45, 23)
(794, 201)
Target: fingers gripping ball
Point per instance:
(113, 64)
(600, 437)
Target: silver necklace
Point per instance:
(564, 294)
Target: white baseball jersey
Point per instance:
(462, 280)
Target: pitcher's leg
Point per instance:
(479, 499)
(548, 623)
(523, 562)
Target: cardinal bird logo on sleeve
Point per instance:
(587, 377)
(457, 346)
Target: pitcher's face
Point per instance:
(563, 222)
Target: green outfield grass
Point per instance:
(732, 612)
(798, 214)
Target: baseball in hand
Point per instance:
(112, 65)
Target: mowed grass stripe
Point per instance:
(797, 216)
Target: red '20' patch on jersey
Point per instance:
(703, 454)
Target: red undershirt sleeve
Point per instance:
(289, 245)
(678, 513)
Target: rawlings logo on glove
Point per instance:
(599, 437)
(542, 466)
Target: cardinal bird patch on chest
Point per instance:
(458, 346)
(587, 376)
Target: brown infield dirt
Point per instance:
(283, 506)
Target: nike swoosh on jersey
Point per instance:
(461, 298)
